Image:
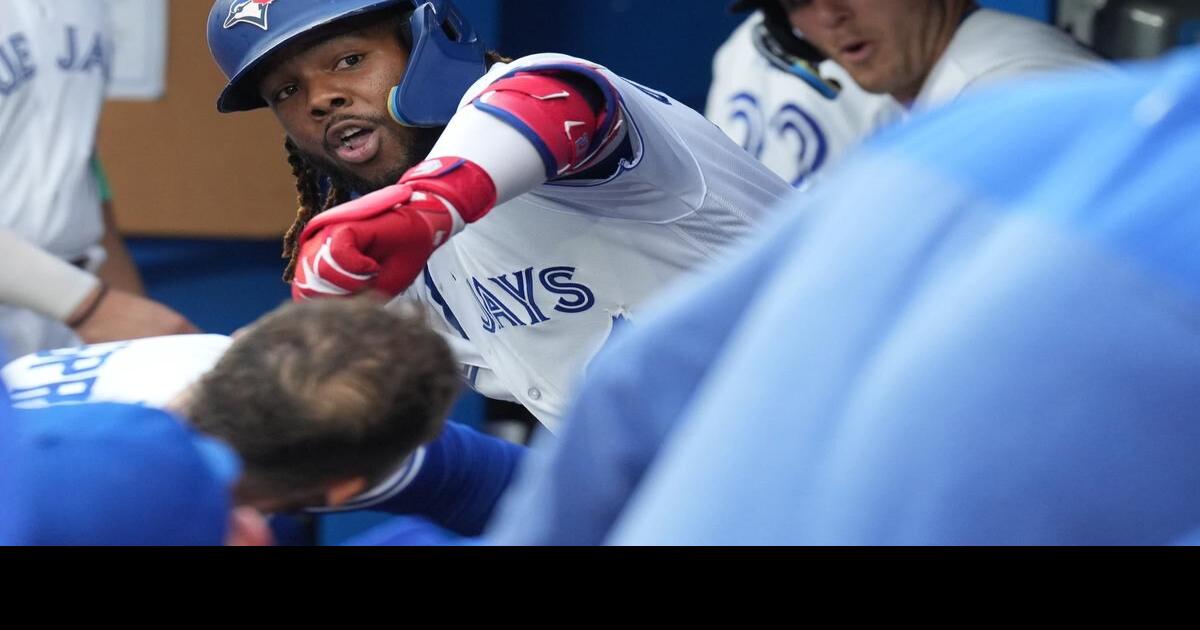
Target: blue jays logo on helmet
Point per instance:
(446, 54)
(249, 12)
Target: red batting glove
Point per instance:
(382, 240)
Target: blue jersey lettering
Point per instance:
(74, 391)
(81, 56)
(494, 310)
(577, 298)
(523, 292)
(16, 63)
(520, 286)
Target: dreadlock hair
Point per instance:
(308, 185)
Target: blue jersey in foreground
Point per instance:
(985, 333)
(983, 329)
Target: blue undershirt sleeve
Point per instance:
(461, 479)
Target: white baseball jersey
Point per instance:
(530, 292)
(152, 372)
(55, 60)
(782, 121)
(991, 46)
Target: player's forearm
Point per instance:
(41, 282)
(523, 130)
(509, 158)
(118, 270)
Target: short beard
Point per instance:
(416, 142)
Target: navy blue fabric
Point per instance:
(463, 476)
(407, 531)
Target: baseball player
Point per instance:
(530, 206)
(784, 102)
(55, 59)
(778, 87)
(926, 53)
(382, 384)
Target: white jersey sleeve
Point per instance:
(780, 119)
(535, 288)
(658, 160)
(151, 371)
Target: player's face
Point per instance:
(888, 46)
(331, 98)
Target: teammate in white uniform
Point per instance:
(153, 372)
(784, 102)
(55, 58)
(597, 191)
(926, 53)
(798, 111)
(383, 377)
(55, 61)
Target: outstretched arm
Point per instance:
(540, 124)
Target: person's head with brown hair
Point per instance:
(321, 398)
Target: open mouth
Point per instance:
(353, 142)
(856, 52)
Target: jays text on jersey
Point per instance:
(529, 293)
(55, 61)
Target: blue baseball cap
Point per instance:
(110, 474)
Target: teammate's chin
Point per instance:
(395, 151)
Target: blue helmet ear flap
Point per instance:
(447, 57)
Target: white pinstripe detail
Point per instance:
(393, 485)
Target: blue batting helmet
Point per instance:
(447, 55)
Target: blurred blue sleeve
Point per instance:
(408, 531)
(463, 474)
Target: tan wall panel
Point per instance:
(178, 168)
